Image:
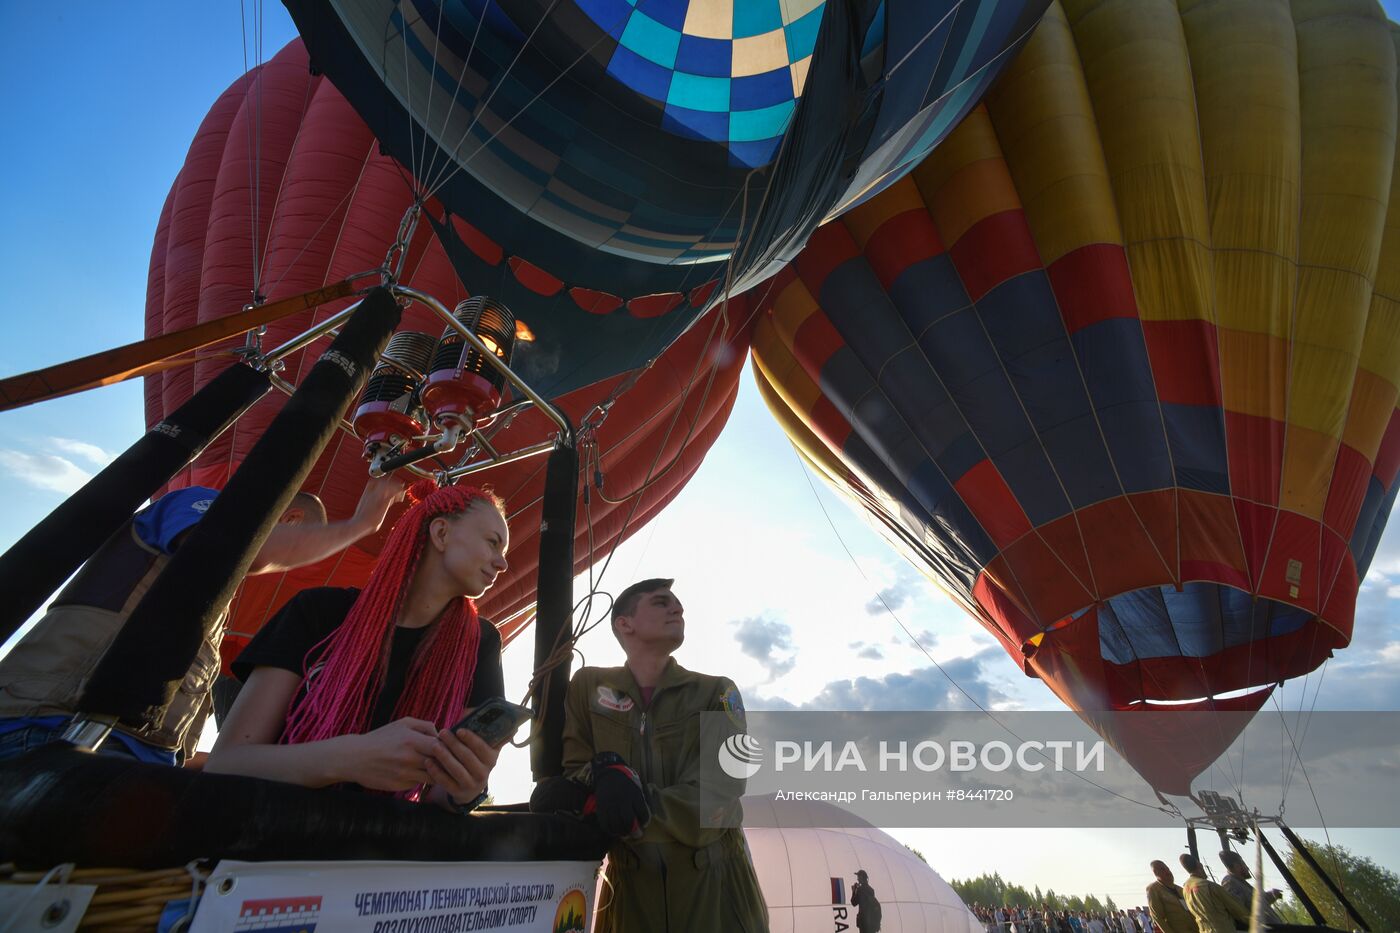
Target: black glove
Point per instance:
(559, 795)
(618, 798)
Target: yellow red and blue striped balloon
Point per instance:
(1117, 364)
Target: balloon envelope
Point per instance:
(602, 159)
(1117, 364)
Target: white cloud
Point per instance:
(906, 585)
(44, 471)
(960, 684)
(84, 451)
(1387, 558)
(767, 642)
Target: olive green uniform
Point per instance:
(680, 876)
(1167, 905)
(1214, 909)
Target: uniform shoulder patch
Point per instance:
(733, 706)
(615, 700)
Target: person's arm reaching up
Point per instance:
(291, 546)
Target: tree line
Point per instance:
(1373, 889)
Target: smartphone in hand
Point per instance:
(495, 721)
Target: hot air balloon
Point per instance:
(328, 201)
(806, 873)
(1117, 364)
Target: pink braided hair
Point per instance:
(341, 698)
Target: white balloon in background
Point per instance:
(803, 870)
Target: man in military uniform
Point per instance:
(1214, 909)
(1167, 904)
(631, 733)
(1236, 882)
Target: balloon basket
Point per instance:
(72, 898)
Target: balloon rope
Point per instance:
(1303, 724)
(491, 135)
(414, 160)
(343, 203)
(707, 352)
(252, 154)
(254, 139)
(1336, 867)
(628, 383)
(952, 11)
(258, 20)
(565, 649)
(430, 169)
(1301, 732)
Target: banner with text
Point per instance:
(398, 897)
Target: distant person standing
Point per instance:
(1166, 902)
(865, 902)
(1214, 909)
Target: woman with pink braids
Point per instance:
(363, 686)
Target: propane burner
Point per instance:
(462, 386)
(389, 411)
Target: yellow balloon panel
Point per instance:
(964, 179)
(1253, 373)
(1049, 137)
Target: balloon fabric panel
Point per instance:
(1125, 343)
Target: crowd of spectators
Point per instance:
(1198, 906)
(1022, 919)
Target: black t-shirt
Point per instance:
(312, 615)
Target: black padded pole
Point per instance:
(48, 554)
(555, 605)
(140, 673)
(1307, 856)
(1297, 888)
(1191, 842)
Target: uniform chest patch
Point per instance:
(608, 698)
(733, 707)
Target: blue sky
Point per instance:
(102, 102)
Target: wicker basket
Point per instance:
(125, 899)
